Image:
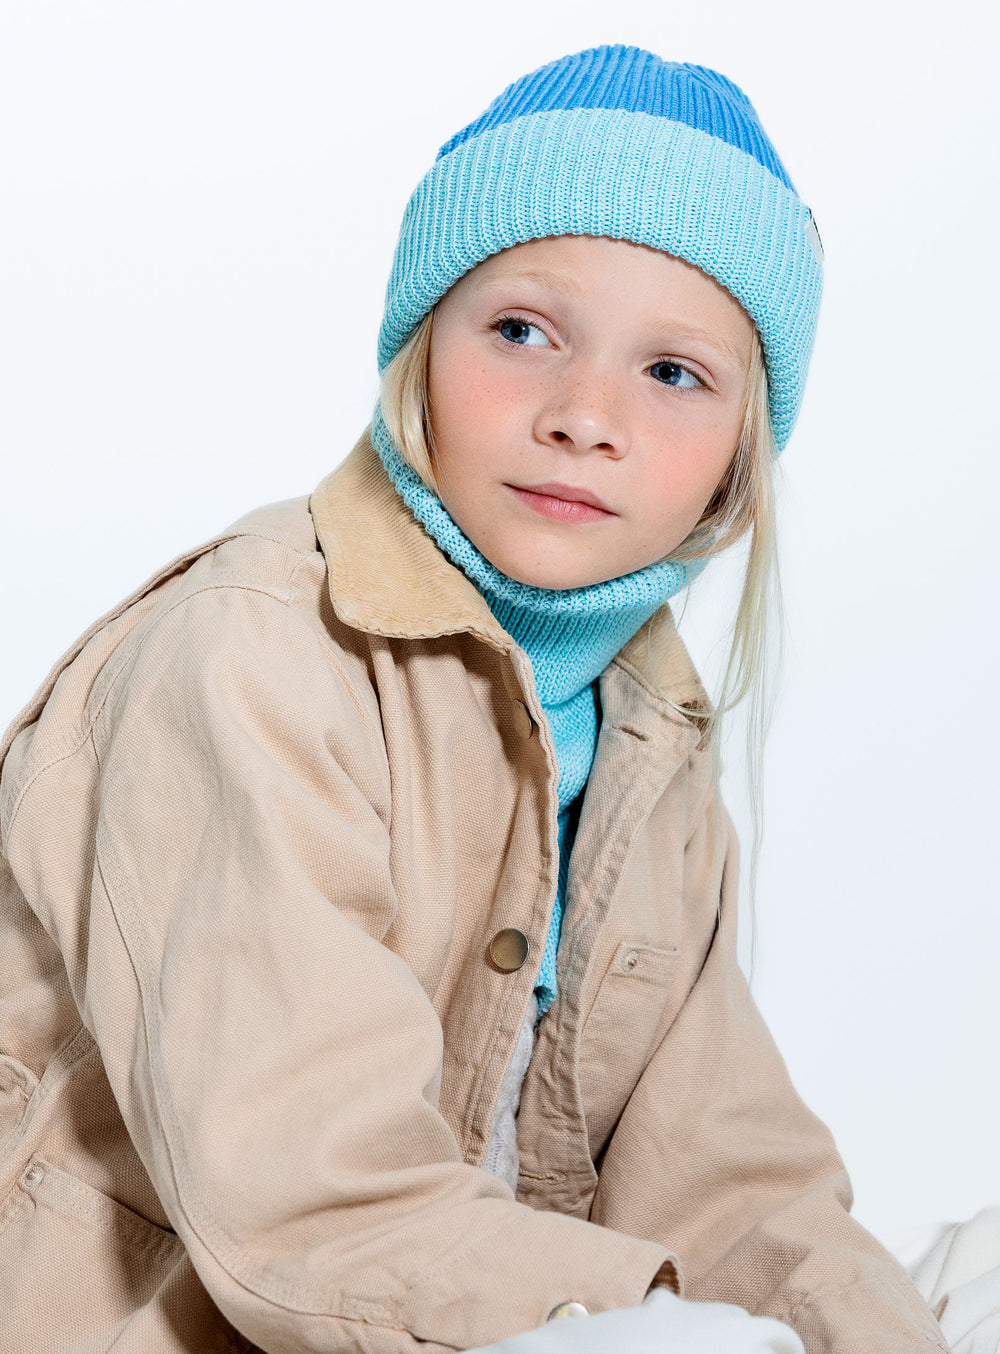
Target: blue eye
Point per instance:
(521, 332)
(673, 374)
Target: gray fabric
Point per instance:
(501, 1155)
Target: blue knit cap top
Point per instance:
(615, 141)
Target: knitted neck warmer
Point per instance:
(570, 636)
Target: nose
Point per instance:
(585, 412)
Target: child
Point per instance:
(368, 909)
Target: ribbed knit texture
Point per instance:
(570, 636)
(617, 142)
(640, 82)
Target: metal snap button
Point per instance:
(509, 949)
(34, 1175)
(523, 722)
(567, 1309)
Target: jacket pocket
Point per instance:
(629, 1017)
(74, 1264)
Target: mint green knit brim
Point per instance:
(630, 176)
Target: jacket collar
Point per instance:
(388, 577)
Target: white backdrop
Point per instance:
(199, 204)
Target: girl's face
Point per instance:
(586, 398)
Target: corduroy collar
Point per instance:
(388, 577)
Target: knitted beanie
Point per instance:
(615, 141)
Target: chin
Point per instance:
(555, 579)
(558, 574)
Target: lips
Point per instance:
(569, 493)
(563, 503)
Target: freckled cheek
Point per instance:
(468, 394)
(467, 423)
(691, 489)
(681, 479)
(700, 444)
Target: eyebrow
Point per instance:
(561, 281)
(567, 283)
(692, 331)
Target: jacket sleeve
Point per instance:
(716, 1156)
(275, 1064)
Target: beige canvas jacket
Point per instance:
(258, 831)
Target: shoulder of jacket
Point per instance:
(263, 551)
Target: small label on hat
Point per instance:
(812, 235)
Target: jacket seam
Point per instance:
(699, 812)
(62, 755)
(654, 690)
(329, 648)
(201, 1219)
(304, 558)
(43, 1090)
(60, 752)
(103, 859)
(905, 1283)
(455, 1256)
(454, 625)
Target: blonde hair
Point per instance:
(743, 506)
(405, 401)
